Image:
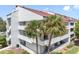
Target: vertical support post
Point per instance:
(69, 30)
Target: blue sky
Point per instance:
(68, 10)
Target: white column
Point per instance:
(14, 29)
(69, 30)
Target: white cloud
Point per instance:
(76, 6)
(66, 8)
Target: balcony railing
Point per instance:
(30, 40)
(54, 40)
(69, 26)
(21, 27)
(8, 29)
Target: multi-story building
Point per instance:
(20, 17)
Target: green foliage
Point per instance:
(53, 25)
(76, 29)
(2, 25)
(3, 41)
(31, 29)
(25, 52)
(70, 45)
(7, 52)
(13, 52)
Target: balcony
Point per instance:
(69, 27)
(54, 40)
(71, 33)
(8, 29)
(21, 27)
(43, 43)
(25, 38)
(8, 38)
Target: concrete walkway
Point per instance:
(6, 48)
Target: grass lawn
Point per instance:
(73, 50)
(14, 52)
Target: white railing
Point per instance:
(60, 38)
(54, 40)
(8, 38)
(30, 40)
(27, 49)
(8, 29)
(71, 33)
(69, 27)
(21, 27)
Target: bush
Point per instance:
(3, 41)
(25, 52)
(70, 46)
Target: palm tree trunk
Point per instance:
(36, 45)
(49, 44)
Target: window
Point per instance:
(45, 37)
(45, 17)
(22, 32)
(9, 21)
(9, 42)
(9, 32)
(72, 35)
(56, 44)
(17, 45)
(22, 42)
(65, 40)
(71, 23)
(71, 29)
(22, 23)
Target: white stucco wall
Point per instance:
(14, 29)
(26, 15)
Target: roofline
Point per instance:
(48, 11)
(42, 11)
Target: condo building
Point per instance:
(21, 16)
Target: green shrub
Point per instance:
(25, 52)
(70, 46)
(3, 41)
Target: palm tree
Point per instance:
(53, 26)
(31, 31)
